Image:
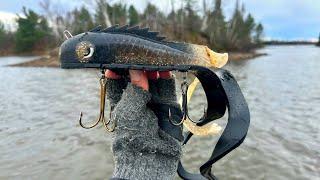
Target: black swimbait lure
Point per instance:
(100, 48)
(123, 48)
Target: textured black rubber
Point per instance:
(236, 128)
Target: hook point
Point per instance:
(172, 121)
(80, 117)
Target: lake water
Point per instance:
(40, 137)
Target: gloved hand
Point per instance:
(164, 98)
(141, 149)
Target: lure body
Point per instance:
(133, 46)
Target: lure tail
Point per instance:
(222, 92)
(215, 59)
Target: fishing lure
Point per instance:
(123, 48)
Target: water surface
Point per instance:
(41, 138)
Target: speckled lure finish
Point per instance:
(123, 48)
(133, 46)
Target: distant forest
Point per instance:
(40, 32)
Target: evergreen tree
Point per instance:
(150, 15)
(248, 28)
(216, 27)
(237, 21)
(234, 33)
(82, 20)
(102, 15)
(172, 24)
(32, 28)
(118, 13)
(172, 20)
(238, 33)
(192, 20)
(181, 14)
(133, 16)
(318, 44)
(258, 33)
(6, 40)
(153, 18)
(3, 35)
(2, 32)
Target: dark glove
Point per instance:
(141, 149)
(164, 98)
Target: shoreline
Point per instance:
(32, 53)
(51, 59)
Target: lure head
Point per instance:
(85, 50)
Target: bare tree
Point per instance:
(174, 19)
(55, 16)
(204, 25)
(102, 7)
(104, 10)
(182, 19)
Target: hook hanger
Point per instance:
(102, 108)
(184, 90)
(67, 34)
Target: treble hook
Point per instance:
(184, 90)
(102, 107)
(185, 114)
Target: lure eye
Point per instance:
(84, 51)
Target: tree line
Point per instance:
(207, 26)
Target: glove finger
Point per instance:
(111, 75)
(132, 111)
(152, 75)
(164, 122)
(167, 90)
(165, 74)
(114, 88)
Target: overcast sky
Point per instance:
(282, 19)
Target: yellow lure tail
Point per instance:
(217, 60)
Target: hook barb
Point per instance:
(106, 124)
(87, 127)
(172, 121)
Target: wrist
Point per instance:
(130, 165)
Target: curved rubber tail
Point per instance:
(222, 91)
